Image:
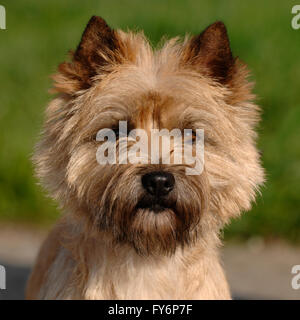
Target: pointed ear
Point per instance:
(99, 47)
(210, 51)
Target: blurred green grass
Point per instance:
(39, 34)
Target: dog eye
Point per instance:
(117, 132)
(194, 135)
(190, 135)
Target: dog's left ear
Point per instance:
(210, 51)
(98, 49)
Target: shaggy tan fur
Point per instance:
(106, 246)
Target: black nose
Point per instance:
(158, 183)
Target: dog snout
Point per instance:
(158, 183)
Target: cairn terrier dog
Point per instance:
(144, 230)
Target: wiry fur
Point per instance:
(107, 246)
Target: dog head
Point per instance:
(193, 84)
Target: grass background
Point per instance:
(39, 34)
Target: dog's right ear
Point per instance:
(98, 49)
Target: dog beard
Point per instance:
(151, 225)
